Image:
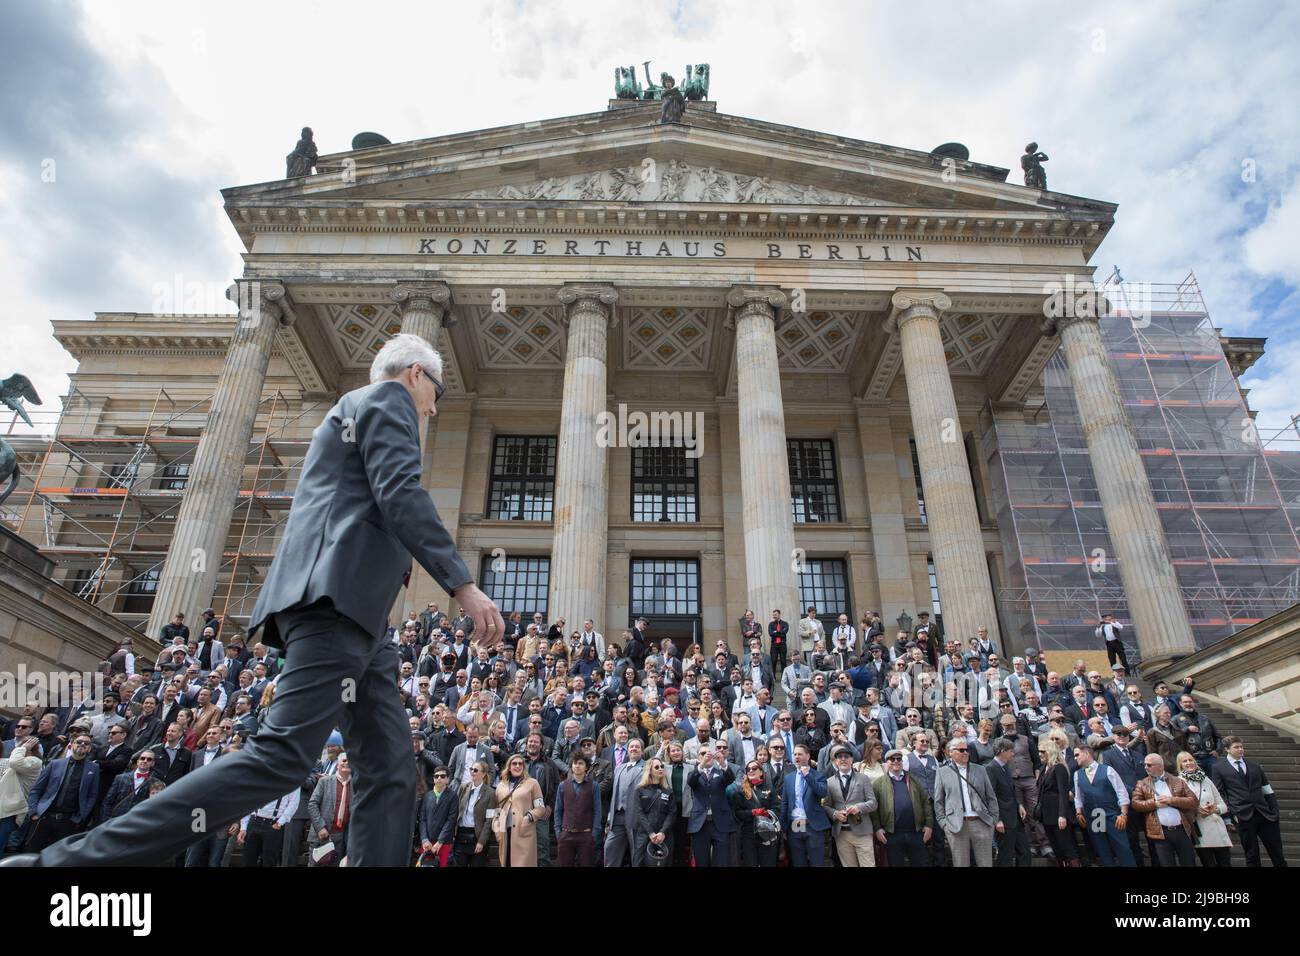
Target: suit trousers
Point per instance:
(1136, 831)
(907, 848)
(335, 674)
(208, 852)
(263, 843)
(855, 850)
(710, 847)
(807, 848)
(294, 835)
(1257, 830)
(617, 845)
(463, 848)
(1111, 845)
(1013, 846)
(575, 849)
(1027, 796)
(48, 830)
(1114, 653)
(543, 831)
(975, 836)
(1176, 848)
(778, 662)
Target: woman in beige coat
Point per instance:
(1213, 845)
(519, 805)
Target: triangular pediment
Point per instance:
(673, 181)
(625, 156)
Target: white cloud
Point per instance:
(1152, 105)
(1273, 247)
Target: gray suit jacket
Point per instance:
(628, 776)
(359, 514)
(456, 765)
(948, 808)
(861, 797)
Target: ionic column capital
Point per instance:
(1056, 324)
(588, 297)
(258, 297)
(754, 300)
(1072, 300)
(916, 303)
(430, 296)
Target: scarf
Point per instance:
(1194, 776)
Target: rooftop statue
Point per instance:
(696, 86)
(627, 87)
(303, 158)
(13, 391)
(1032, 164)
(673, 100)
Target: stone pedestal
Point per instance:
(189, 575)
(956, 541)
(1159, 617)
(771, 579)
(581, 522)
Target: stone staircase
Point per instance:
(1279, 755)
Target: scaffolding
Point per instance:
(101, 488)
(1228, 501)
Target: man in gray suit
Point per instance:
(626, 778)
(966, 806)
(359, 515)
(850, 801)
(466, 753)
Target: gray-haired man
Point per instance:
(359, 515)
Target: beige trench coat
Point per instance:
(511, 811)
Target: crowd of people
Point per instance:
(816, 743)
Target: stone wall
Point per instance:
(46, 629)
(1257, 669)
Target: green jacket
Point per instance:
(883, 816)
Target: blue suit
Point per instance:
(808, 843)
(712, 820)
(46, 789)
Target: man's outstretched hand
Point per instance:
(489, 628)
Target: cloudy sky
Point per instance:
(119, 123)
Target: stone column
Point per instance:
(885, 493)
(1155, 602)
(189, 575)
(581, 513)
(424, 308)
(771, 580)
(956, 541)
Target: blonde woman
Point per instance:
(519, 805)
(1213, 845)
(652, 810)
(1055, 803)
(981, 748)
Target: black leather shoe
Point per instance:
(20, 859)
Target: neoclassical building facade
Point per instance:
(833, 319)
